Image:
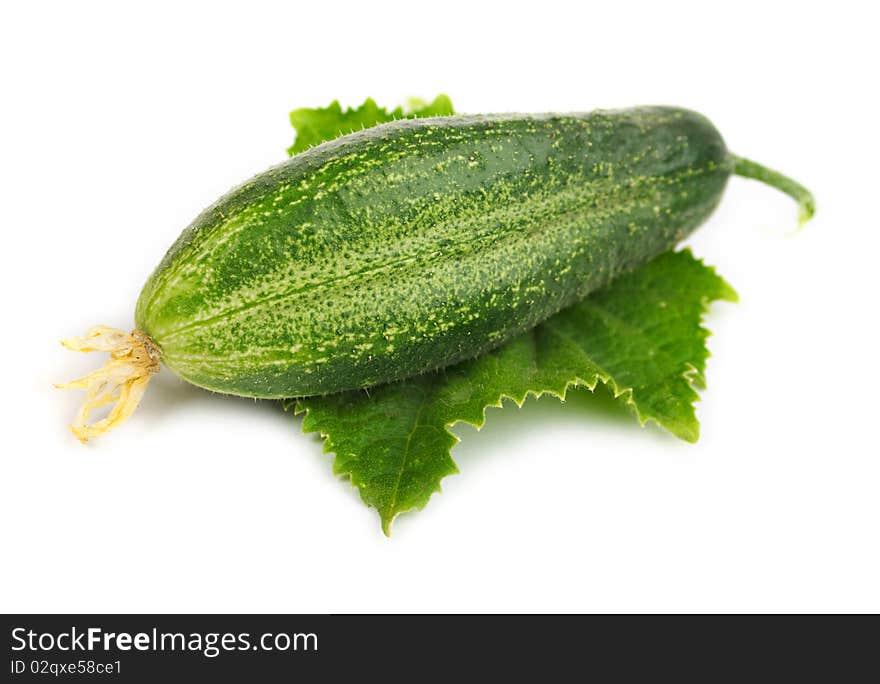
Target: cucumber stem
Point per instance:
(749, 169)
(122, 381)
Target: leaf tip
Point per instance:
(729, 294)
(686, 430)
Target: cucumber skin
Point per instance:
(417, 244)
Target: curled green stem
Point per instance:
(749, 169)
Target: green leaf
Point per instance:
(641, 336)
(314, 126)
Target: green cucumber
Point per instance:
(419, 243)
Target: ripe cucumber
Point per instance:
(419, 243)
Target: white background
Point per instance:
(120, 124)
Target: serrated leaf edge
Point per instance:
(407, 110)
(329, 447)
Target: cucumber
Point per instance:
(419, 243)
